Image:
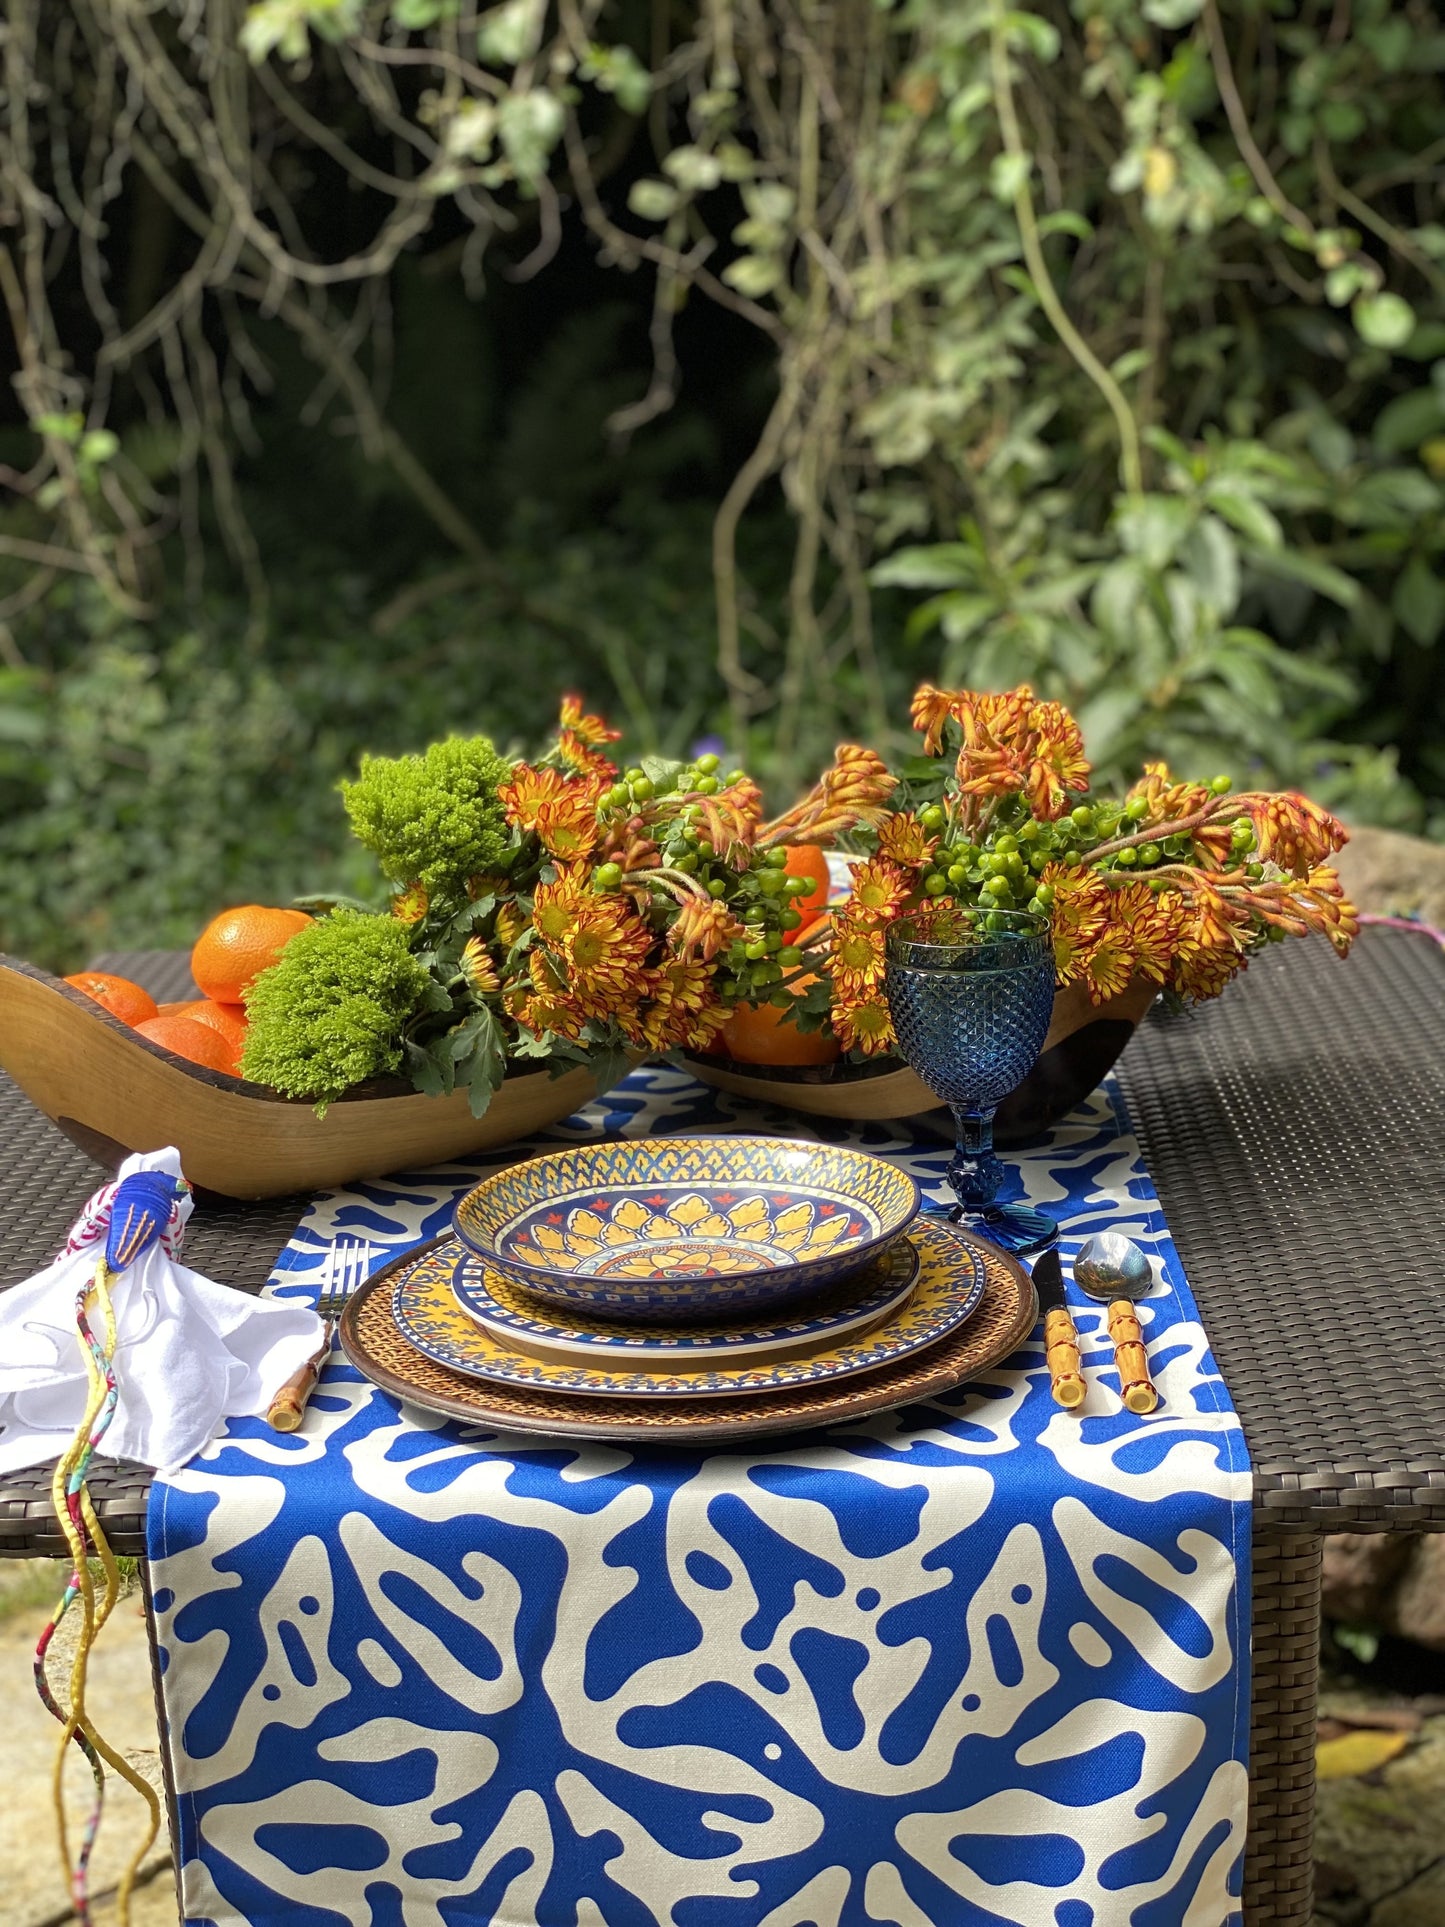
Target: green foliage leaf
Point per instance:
(1384, 320)
(1419, 601)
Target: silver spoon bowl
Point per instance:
(1112, 1266)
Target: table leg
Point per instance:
(1279, 1852)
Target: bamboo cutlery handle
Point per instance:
(1132, 1360)
(1061, 1352)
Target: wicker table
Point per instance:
(1294, 1133)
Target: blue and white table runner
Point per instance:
(974, 1662)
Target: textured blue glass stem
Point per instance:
(974, 1172)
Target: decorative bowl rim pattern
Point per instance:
(578, 1186)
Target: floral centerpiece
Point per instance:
(1174, 883)
(560, 910)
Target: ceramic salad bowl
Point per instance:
(679, 1227)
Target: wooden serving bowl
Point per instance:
(113, 1092)
(1083, 1043)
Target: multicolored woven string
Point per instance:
(144, 1222)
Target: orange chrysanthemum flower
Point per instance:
(590, 730)
(1107, 966)
(605, 955)
(586, 761)
(411, 904)
(542, 1003)
(683, 1011)
(702, 928)
(1152, 926)
(1014, 743)
(477, 967)
(511, 922)
(903, 839)
(557, 906)
(865, 1026)
(1077, 916)
(562, 810)
(879, 889)
(856, 960)
(1200, 974)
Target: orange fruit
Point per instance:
(197, 1042)
(118, 995)
(808, 860)
(760, 1035)
(235, 947)
(227, 1020)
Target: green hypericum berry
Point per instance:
(1029, 830)
(1221, 785)
(705, 786)
(934, 884)
(790, 956)
(755, 913)
(776, 859)
(1127, 858)
(641, 788)
(704, 848)
(1005, 845)
(771, 884)
(734, 776)
(1014, 865)
(1039, 909)
(1136, 809)
(797, 886)
(1254, 871)
(1149, 853)
(772, 942)
(1045, 894)
(998, 887)
(1038, 860)
(790, 919)
(957, 875)
(729, 990)
(1082, 818)
(755, 952)
(687, 863)
(708, 765)
(995, 922)
(607, 876)
(767, 973)
(718, 887)
(932, 818)
(1242, 836)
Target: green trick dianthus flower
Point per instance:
(432, 818)
(329, 1013)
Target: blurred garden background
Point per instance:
(382, 368)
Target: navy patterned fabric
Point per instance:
(974, 1662)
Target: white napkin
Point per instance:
(188, 1352)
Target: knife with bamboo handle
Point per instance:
(1061, 1340)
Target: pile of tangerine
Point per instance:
(230, 953)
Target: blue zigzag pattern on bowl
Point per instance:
(668, 1228)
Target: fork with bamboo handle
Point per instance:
(343, 1269)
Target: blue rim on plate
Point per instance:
(952, 1279)
(517, 1319)
(686, 1227)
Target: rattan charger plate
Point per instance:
(373, 1344)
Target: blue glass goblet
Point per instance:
(971, 993)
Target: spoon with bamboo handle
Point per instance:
(1112, 1270)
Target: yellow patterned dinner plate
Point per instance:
(950, 1285)
(524, 1323)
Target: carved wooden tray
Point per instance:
(370, 1339)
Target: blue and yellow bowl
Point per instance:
(686, 1227)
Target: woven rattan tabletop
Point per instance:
(1294, 1130)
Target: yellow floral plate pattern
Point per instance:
(951, 1283)
(520, 1321)
(677, 1227)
